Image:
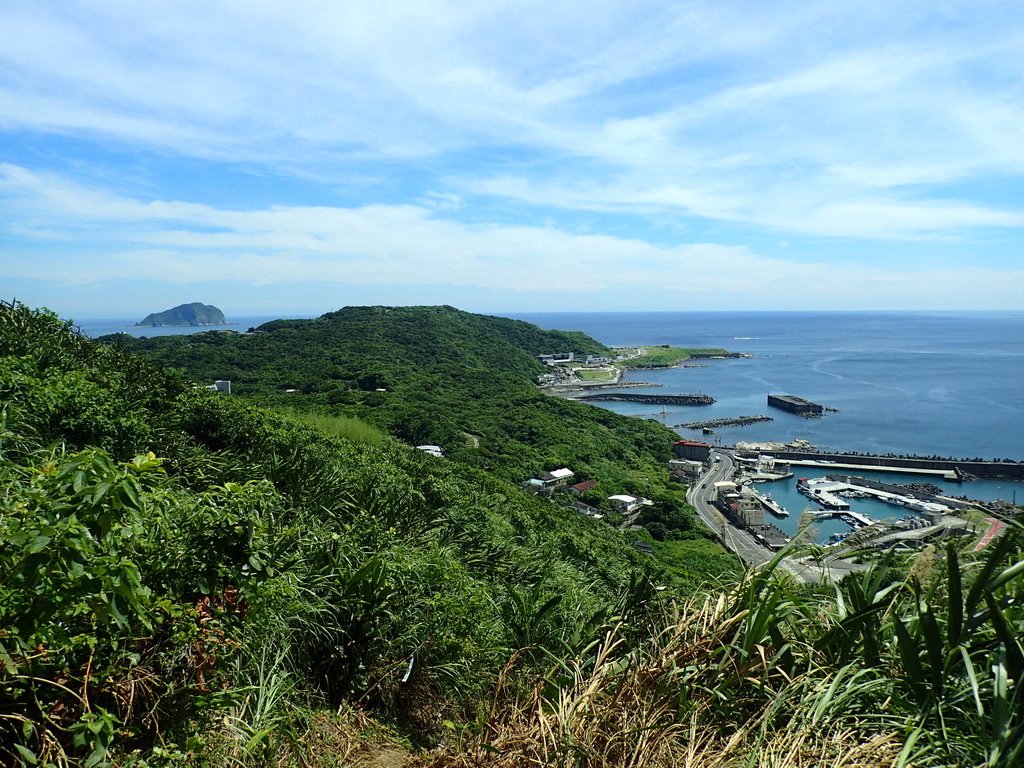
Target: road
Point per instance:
(702, 494)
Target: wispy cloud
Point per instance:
(118, 238)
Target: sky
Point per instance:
(293, 158)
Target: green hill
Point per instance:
(440, 376)
(186, 314)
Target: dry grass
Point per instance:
(691, 697)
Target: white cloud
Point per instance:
(181, 242)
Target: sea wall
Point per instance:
(1008, 469)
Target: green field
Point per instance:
(596, 374)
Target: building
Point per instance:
(687, 468)
(624, 504)
(220, 385)
(586, 510)
(749, 509)
(557, 476)
(557, 358)
(794, 404)
(645, 547)
(433, 450)
(691, 449)
(583, 487)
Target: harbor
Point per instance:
(872, 495)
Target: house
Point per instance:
(557, 476)
(433, 450)
(583, 487)
(628, 504)
(685, 468)
(221, 385)
(586, 510)
(623, 503)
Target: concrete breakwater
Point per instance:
(738, 421)
(963, 468)
(697, 399)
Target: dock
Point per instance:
(827, 491)
(846, 515)
(769, 503)
(823, 492)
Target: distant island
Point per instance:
(186, 314)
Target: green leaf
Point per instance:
(1009, 639)
(27, 754)
(911, 661)
(954, 590)
(101, 490)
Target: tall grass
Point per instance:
(346, 427)
(765, 673)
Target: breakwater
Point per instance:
(738, 421)
(797, 405)
(901, 491)
(619, 397)
(963, 467)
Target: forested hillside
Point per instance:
(426, 375)
(189, 579)
(437, 375)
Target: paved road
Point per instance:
(746, 547)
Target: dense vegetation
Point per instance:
(439, 376)
(187, 578)
(162, 545)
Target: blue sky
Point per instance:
(512, 156)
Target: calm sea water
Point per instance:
(944, 384)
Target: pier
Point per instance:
(945, 474)
(856, 519)
(769, 503)
(823, 492)
(827, 491)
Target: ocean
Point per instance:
(929, 384)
